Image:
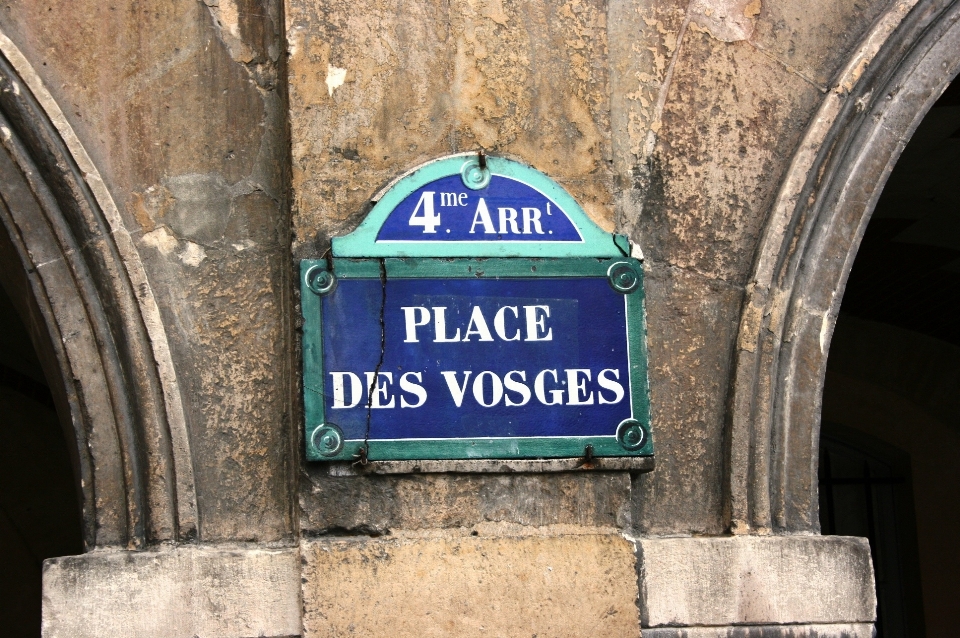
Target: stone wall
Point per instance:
(181, 107)
(238, 136)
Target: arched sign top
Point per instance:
(454, 206)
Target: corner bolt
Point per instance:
(320, 280)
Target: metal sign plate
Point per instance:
(427, 356)
(505, 210)
(511, 209)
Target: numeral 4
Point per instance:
(424, 215)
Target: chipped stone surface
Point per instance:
(691, 323)
(161, 239)
(193, 254)
(232, 386)
(182, 593)
(379, 504)
(755, 580)
(815, 39)
(180, 111)
(563, 586)
(643, 110)
(703, 120)
(426, 79)
(641, 73)
(726, 20)
(672, 121)
(715, 168)
(832, 630)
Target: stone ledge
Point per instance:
(556, 586)
(756, 580)
(177, 593)
(859, 630)
(495, 466)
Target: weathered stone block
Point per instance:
(859, 630)
(379, 86)
(814, 38)
(378, 504)
(471, 586)
(692, 323)
(756, 580)
(183, 593)
(723, 143)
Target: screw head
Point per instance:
(623, 277)
(474, 177)
(631, 435)
(320, 280)
(328, 440)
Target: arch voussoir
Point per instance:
(806, 254)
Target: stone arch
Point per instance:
(72, 269)
(805, 256)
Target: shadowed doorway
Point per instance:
(890, 443)
(39, 511)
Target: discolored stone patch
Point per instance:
(560, 586)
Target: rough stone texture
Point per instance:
(670, 120)
(561, 586)
(180, 110)
(692, 321)
(755, 580)
(379, 504)
(798, 36)
(723, 139)
(809, 246)
(496, 466)
(379, 86)
(182, 593)
(857, 630)
(675, 124)
(707, 114)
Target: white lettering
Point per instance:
(517, 386)
(356, 391)
(495, 386)
(429, 219)
(413, 388)
(535, 323)
(448, 199)
(456, 390)
(531, 217)
(609, 384)
(576, 387)
(440, 326)
(411, 322)
(539, 390)
(477, 326)
(499, 323)
(482, 216)
(508, 216)
(380, 392)
(462, 197)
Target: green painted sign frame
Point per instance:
(360, 256)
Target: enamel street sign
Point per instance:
(476, 313)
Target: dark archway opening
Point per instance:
(39, 509)
(890, 442)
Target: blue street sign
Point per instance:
(430, 356)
